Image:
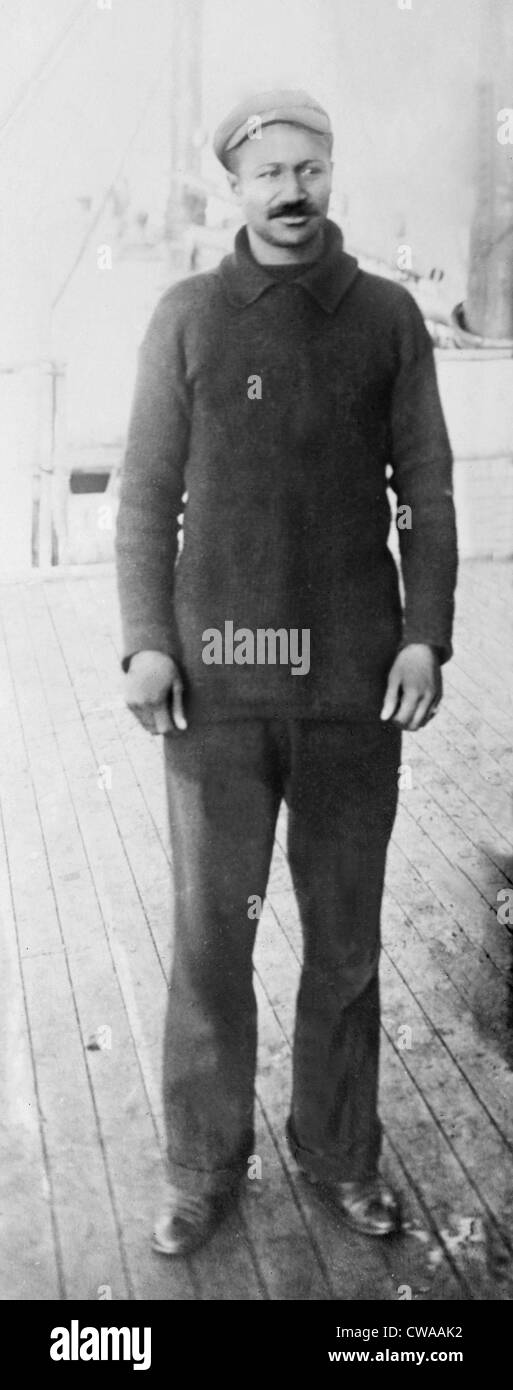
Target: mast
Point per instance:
(186, 111)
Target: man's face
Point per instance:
(283, 184)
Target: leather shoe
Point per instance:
(370, 1207)
(187, 1221)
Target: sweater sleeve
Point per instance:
(421, 461)
(152, 488)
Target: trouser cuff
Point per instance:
(205, 1182)
(334, 1168)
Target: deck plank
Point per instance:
(29, 1250)
(126, 1134)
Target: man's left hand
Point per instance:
(414, 688)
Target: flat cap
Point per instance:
(266, 108)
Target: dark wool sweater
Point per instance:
(287, 516)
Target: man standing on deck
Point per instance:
(278, 392)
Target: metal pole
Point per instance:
(489, 299)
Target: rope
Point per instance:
(46, 63)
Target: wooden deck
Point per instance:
(84, 900)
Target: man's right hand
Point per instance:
(151, 678)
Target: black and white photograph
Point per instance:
(256, 668)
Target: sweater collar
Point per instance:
(245, 279)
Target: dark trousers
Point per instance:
(225, 783)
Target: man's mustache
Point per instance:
(292, 210)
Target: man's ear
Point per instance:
(234, 183)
